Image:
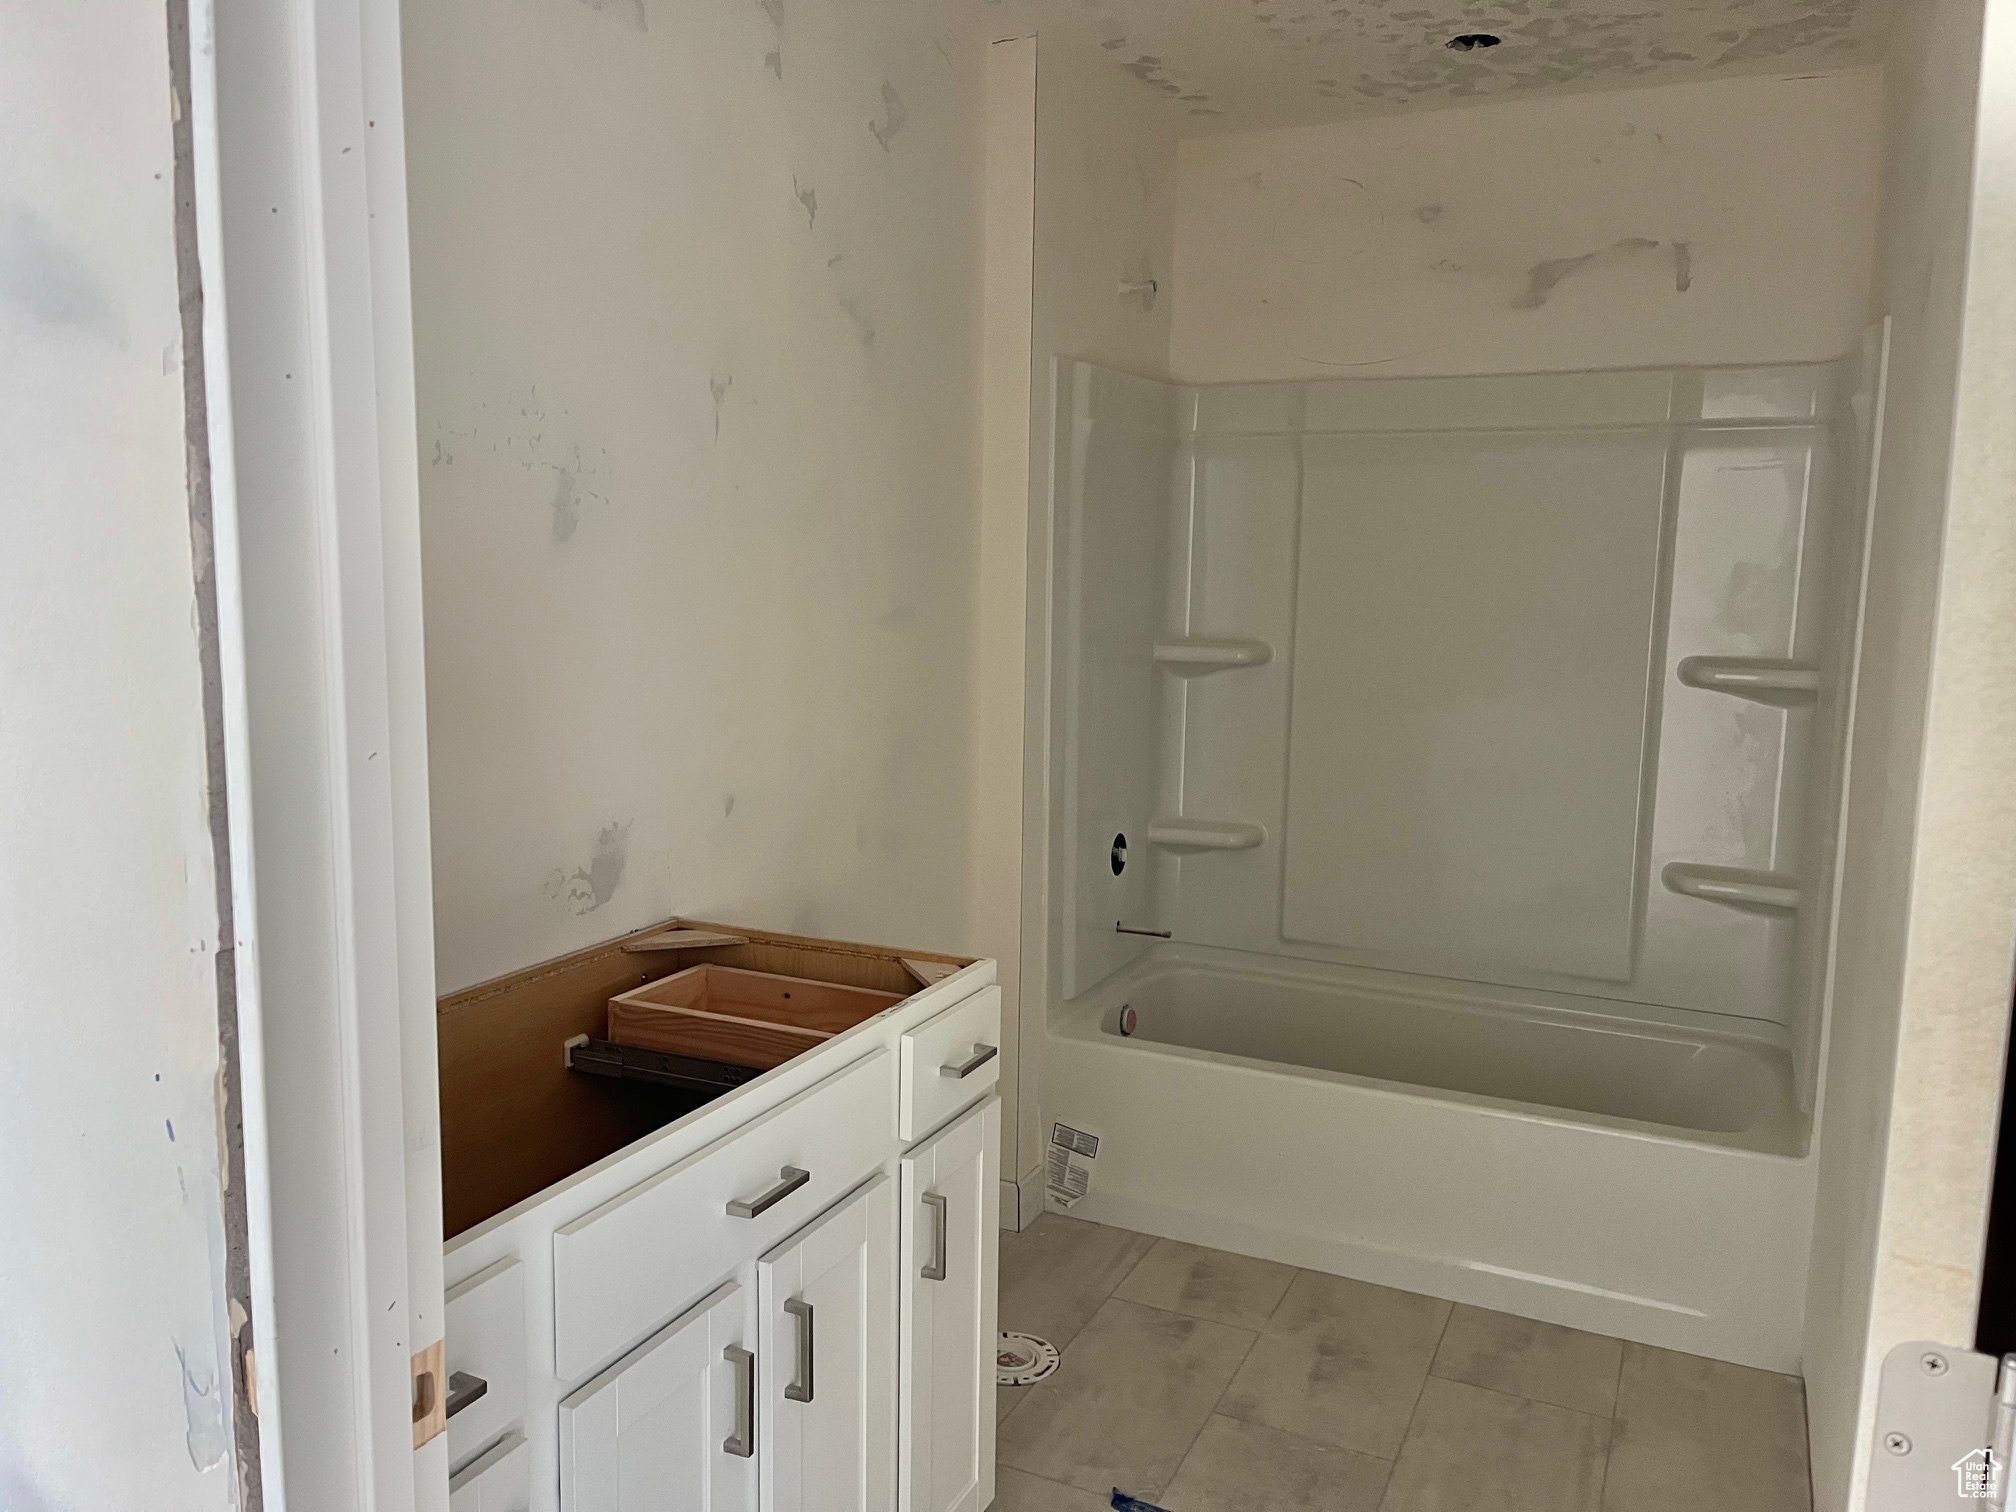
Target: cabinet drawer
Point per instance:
(500, 1481)
(946, 1062)
(485, 1329)
(628, 1266)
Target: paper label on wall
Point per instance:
(1074, 1151)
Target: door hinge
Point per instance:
(1945, 1430)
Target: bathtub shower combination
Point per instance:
(1446, 785)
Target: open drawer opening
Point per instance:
(548, 1070)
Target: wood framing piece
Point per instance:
(685, 939)
(430, 1393)
(929, 973)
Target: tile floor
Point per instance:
(1208, 1382)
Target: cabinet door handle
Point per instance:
(800, 1387)
(941, 1226)
(793, 1179)
(742, 1442)
(463, 1389)
(981, 1055)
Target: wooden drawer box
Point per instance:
(741, 1018)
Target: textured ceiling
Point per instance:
(1240, 64)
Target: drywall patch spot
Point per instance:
(727, 805)
(587, 888)
(1544, 277)
(566, 506)
(1683, 266)
(51, 280)
(893, 118)
(202, 1413)
(719, 387)
(808, 200)
(864, 325)
(774, 58)
(1428, 214)
(629, 12)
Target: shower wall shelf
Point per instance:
(1762, 678)
(1738, 887)
(1193, 657)
(1205, 834)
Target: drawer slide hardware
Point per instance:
(981, 1055)
(799, 1389)
(464, 1388)
(742, 1442)
(941, 1227)
(791, 1179)
(597, 1057)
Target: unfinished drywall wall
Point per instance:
(1928, 909)
(1722, 222)
(696, 309)
(115, 1381)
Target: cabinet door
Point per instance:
(670, 1426)
(827, 1299)
(951, 1202)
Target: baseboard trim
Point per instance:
(1021, 1202)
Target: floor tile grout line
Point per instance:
(1048, 1481)
(1302, 1438)
(1232, 1375)
(1517, 1396)
(1154, 1243)
(1616, 1419)
(1177, 1312)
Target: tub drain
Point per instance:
(1023, 1360)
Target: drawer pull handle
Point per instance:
(742, 1442)
(800, 1387)
(981, 1055)
(464, 1388)
(941, 1227)
(793, 1179)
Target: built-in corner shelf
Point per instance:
(1205, 834)
(1762, 678)
(1761, 891)
(1192, 657)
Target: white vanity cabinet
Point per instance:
(669, 1428)
(829, 1360)
(951, 1215)
(782, 1300)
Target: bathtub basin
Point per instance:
(1512, 1150)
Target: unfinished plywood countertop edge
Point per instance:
(814, 942)
(619, 950)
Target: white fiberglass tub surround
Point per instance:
(1475, 743)
(1502, 1148)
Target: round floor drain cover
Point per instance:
(1024, 1359)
